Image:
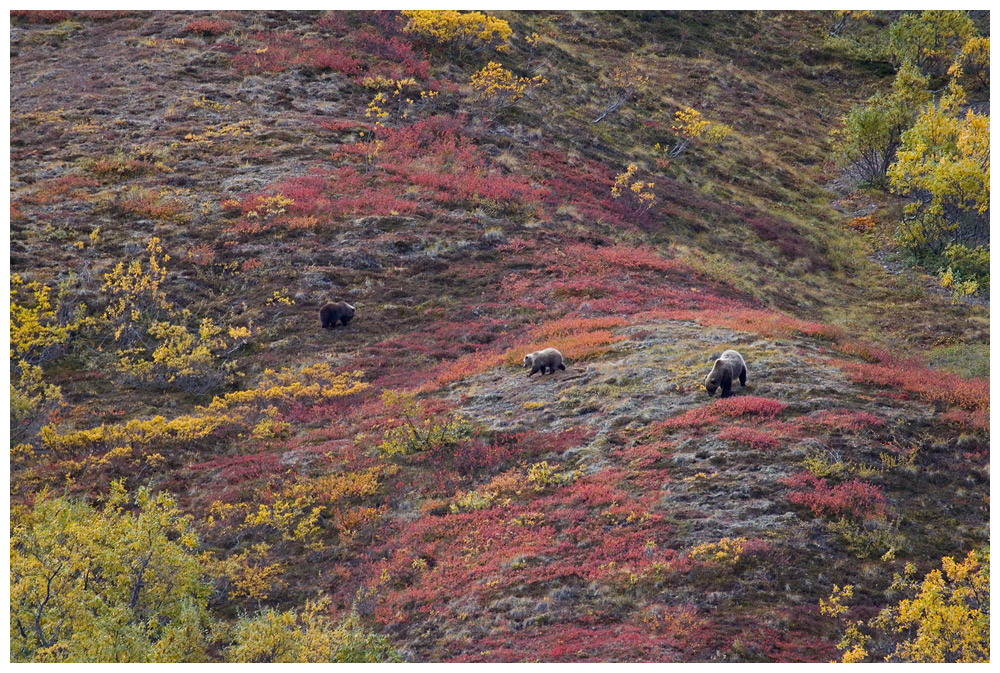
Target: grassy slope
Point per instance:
(456, 278)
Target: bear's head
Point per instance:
(714, 378)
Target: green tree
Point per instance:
(930, 40)
(872, 132)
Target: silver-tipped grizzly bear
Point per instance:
(729, 366)
(540, 360)
(331, 314)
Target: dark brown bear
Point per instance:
(331, 314)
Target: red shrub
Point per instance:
(930, 384)
(767, 323)
(273, 52)
(749, 406)
(852, 498)
(208, 26)
(976, 420)
(732, 407)
(477, 458)
(842, 419)
(240, 469)
(395, 50)
(755, 439)
(66, 188)
(328, 58)
(866, 351)
(40, 15)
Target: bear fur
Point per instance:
(331, 314)
(729, 366)
(539, 361)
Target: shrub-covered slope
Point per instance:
(245, 168)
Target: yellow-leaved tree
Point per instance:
(944, 162)
(124, 583)
(872, 132)
(945, 617)
(115, 584)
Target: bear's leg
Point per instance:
(534, 370)
(727, 384)
(743, 377)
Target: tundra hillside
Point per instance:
(200, 472)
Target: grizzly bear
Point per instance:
(729, 366)
(540, 360)
(331, 314)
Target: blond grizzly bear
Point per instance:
(539, 361)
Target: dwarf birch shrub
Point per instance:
(36, 332)
(498, 88)
(307, 636)
(689, 125)
(637, 192)
(624, 82)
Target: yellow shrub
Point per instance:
(726, 551)
(689, 125)
(181, 359)
(309, 636)
(543, 475)
(637, 190)
(35, 329)
(414, 433)
(499, 88)
(625, 81)
(31, 399)
(135, 294)
(463, 30)
(239, 410)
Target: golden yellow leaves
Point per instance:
(945, 617)
(498, 88)
(463, 30)
(625, 183)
